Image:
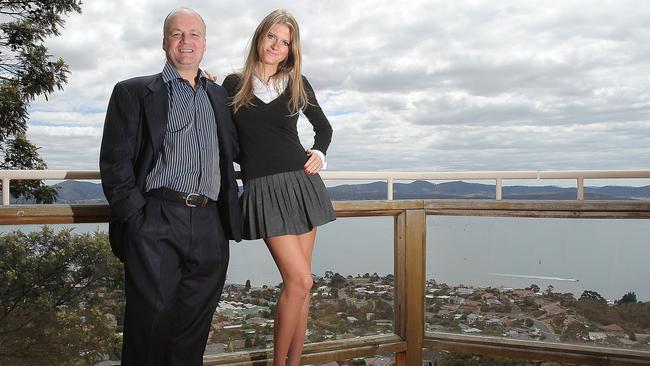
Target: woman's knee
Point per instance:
(307, 283)
(300, 285)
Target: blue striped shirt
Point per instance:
(189, 160)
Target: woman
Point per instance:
(284, 198)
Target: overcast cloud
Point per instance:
(417, 85)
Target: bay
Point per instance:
(571, 255)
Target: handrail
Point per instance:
(497, 176)
(540, 350)
(410, 268)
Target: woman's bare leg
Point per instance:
(295, 350)
(289, 256)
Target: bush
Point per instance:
(59, 298)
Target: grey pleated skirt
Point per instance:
(288, 203)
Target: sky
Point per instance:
(407, 86)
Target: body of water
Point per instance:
(610, 257)
(572, 255)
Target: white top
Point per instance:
(267, 92)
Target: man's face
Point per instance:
(184, 41)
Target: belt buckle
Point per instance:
(187, 199)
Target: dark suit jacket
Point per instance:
(134, 130)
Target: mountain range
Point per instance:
(72, 191)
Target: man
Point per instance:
(167, 172)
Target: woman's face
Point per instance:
(275, 45)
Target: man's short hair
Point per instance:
(173, 13)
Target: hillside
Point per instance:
(87, 192)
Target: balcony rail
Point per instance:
(409, 265)
(390, 177)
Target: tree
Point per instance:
(389, 279)
(593, 307)
(375, 277)
(383, 309)
(467, 359)
(549, 290)
(529, 322)
(247, 286)
(628, 298)
(575, 331)
(59, 298)
(27, 70)
(337, 281)
(592, 295)
(259, 341)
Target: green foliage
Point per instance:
(529, 322)
(259, 341)
(27, 71)
(592, 295)
(329, 322)
(383, 309)
(567, 300)
(628, 298)
(338, 281)
(574, 332)
(529, 304)
(633, 316)
(467, 359)
(629, 314)
(389, 279)
(592, 306)
(19, 153)
(557, 322)
(549, 290)
(59, 297)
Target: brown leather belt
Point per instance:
(189, 199)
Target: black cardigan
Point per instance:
(268, 135)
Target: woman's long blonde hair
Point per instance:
(291, 66)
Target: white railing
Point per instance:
(390, 177)
(498, 176)
(8, 175)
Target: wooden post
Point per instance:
(409, 284)
(580, 189)
(499, 188)
(5, 191)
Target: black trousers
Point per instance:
(175, 267)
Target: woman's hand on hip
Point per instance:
(313, 164)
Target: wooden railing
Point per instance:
(410, 253)
(537, 350)
(409, 336)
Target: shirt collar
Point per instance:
(277, 84)
(169, 73)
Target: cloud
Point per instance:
(420, 85)
(66, 118)
(68, 148)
